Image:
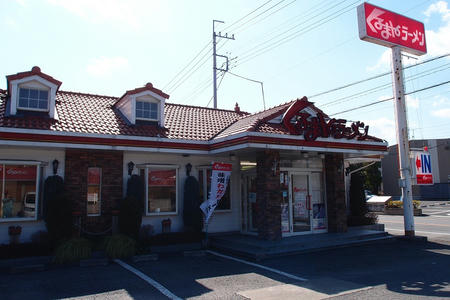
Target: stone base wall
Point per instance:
(77, 163)
(335, 189)
(268, 196)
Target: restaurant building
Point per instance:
(287, 161)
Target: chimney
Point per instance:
(237, 109)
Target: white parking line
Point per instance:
(417, 231)
(149, 280)
(258, 266)
(439, 212)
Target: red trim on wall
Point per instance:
(186, 146)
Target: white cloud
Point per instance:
(382, 128)
(438, 42)
(21, 3)
(440, 101)
(383, 62)
(412, 102)
(441, 113)
(131, 14)
(104, 66)
(440, 8)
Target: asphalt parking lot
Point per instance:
(434, 223)
(395, 269)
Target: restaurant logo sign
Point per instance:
(312, 127)
(383, 27)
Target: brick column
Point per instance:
(335, 186)
(77, 163)
(268, 196)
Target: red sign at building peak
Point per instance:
(381, 26)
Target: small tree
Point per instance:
(57, 211)
(358, 207)
(132, 207)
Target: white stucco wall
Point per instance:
(29, 227)
(221, 221)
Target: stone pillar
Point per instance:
(268, 195)
(335, 187)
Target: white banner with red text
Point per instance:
(219, 180)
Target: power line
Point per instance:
(198, 54)
(237, 21)
(185, 77)
(385, 86)
(303, 21)
(266, 16)
(391, 98)
(276, 4)
(296, 34)
(377, 76)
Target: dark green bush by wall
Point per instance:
(57, 210)
(132, 207)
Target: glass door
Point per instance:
(300, 203)
(249, 205)
(319, 210)
(303, 207)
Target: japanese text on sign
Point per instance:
(219, 181)
(390, 29)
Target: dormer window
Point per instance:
(143, 104)
(32, 91)
(33, 99)
(146, 110)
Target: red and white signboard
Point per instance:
(219, 180)
(19, 173)
(422, 163)
(381, 26)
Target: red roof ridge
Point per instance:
(209, 108)
(34, 71)
(147, 87)
(88, 94)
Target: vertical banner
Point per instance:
(219, 181)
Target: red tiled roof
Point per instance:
(252, 122)
(34, 71)
(147, 87)
(95, 114)
(87, 113)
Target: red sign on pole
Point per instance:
(383, 27)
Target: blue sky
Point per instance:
(108, 47)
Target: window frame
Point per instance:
(37, 188)
(19, 88)
(148, 167)
(205, 184)
(99, 193)
(147, 101)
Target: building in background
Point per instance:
(439, 150)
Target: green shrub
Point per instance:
(73, 250)
(120, 246)
(399, 204)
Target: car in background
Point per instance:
(29, 204)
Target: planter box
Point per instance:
(399, 211)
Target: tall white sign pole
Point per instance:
(402, 139)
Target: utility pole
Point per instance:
(214, 58)
(402, 138)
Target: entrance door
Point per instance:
(300, 203)
(249, 205)
(306, 204)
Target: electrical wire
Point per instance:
(391, 98)
(250, 56)
(182, 70)
(377, 76)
